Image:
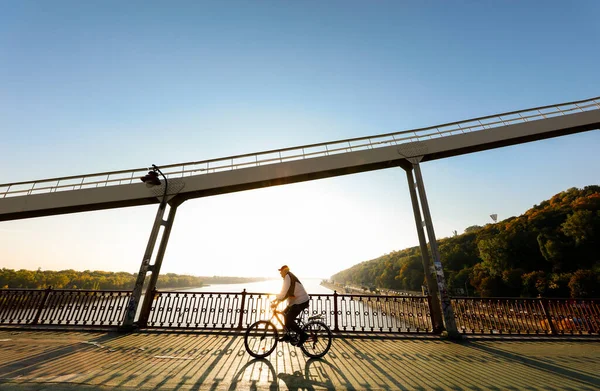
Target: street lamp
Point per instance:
(151, 179)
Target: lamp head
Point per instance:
(151, 179)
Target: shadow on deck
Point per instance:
(50, 360)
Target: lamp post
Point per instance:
(151, 179)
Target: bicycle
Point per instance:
(261, 337)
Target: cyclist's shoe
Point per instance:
(301, 340)
(286, 338)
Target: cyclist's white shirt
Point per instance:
(300, 295)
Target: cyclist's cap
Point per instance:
(284, 267)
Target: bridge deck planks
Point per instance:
(40, 360)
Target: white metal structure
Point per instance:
(243, 172)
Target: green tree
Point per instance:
(585, 283)
(460, 281)
(494, 253)
(534, 283)
(472, 229)
(531, 254)
(558, 285)
(512, 284)
(580, 226)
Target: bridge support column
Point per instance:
(437, 289)
(128, 321)
(155, 268)
(432, 288)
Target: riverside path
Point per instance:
(92, 360)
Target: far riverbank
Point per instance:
(273, 286)
(349, 289)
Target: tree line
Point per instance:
(552, 250)
(101, 280)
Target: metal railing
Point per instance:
(382, 314)
(181, 170)
(527, 316)
(343, 313)
(68, 307)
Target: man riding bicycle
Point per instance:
(297, 300)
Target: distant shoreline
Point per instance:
(340, 289)
(331, 286)
(178, 288)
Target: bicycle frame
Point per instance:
(278, 315)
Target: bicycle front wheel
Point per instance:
(260, 338)
(319, 339)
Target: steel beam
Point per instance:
(149, 296)
(444, 299)
(432, 287)
(139, 283)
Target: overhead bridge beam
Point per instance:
(48, 204)
(505, 136)
(272, 172)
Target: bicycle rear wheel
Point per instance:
(260, 338)
(319, 339)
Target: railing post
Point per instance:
(41, 307)
(335, 312)
(546, 309)
(242, 309)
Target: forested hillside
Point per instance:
(99, 280)
(71, 279)
(552, 250)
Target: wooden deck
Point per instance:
(53, 360)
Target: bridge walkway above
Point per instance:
(276, 167)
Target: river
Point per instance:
(312, 286)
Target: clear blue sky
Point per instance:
(95, 86)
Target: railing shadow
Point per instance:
(115, 360)
(463, 365)
(592, 380)
(191, 361)
(30, 361)
(40, 365)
